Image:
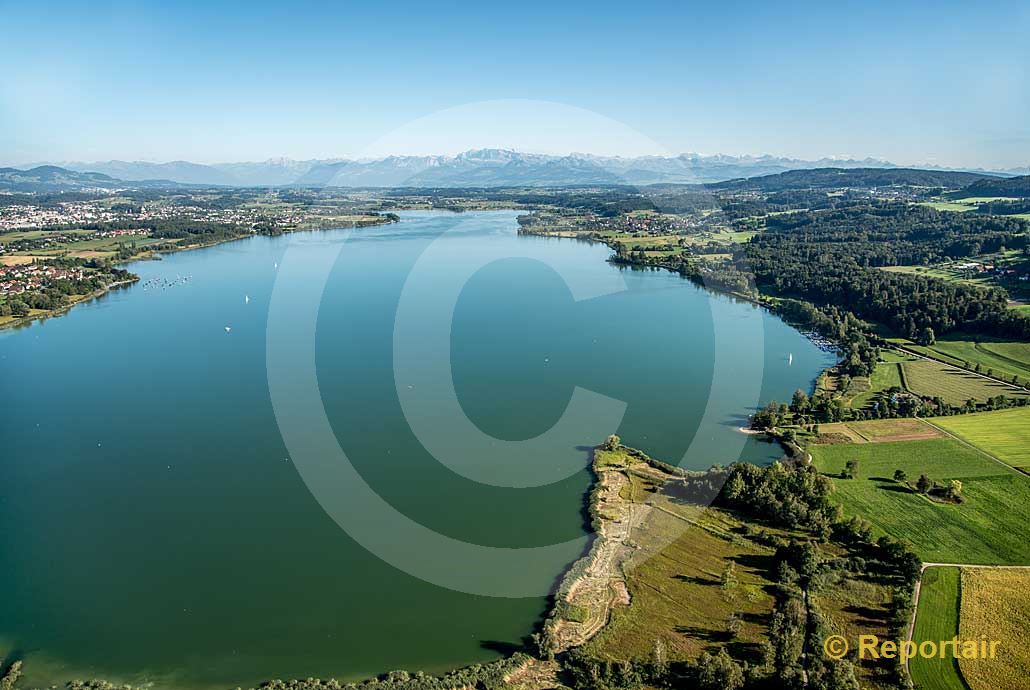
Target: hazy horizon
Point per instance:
(829, 159)
(223, 82)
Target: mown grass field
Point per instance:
(1005, 434)
(937, 619)
(1006, 359)
(996, 605)
(955, 386)
(992, 525)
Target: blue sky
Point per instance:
(943, 83)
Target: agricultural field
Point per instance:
(989, 527)
(1004, 358)
(83, 245)
(937, 618)
(955, 206)
(963, 205)
(954, 385)
(996, 605)
(1005, 434)
(945, 272)
(880, 430)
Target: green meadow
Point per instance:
(989, 527)
(1005, 434)
(936, 620)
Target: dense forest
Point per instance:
(1006, 186)
(833, 178)
(832, 258)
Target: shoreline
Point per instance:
(155, 255)
(594, 585)
(24, 321)
(760, 300)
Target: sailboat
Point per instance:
(790, 359)
(246, 299)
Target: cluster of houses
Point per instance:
(31, 216)
(991, 269)
(648, 224)
(244, 216)
(14, 280)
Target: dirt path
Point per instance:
(600, 586)
(595, 585)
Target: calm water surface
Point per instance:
(153, 528)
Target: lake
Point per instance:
(156, 527)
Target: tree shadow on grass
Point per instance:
(756, 562)
(697, 580)
(895, 488)
(745, 651)
(705, 634)
(870, 617)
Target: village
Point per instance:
(15, 280)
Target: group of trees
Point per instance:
(830, 258)
(793, 495)
(952, 491)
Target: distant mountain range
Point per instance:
(479, 168)
(45, 179)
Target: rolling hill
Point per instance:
(833, 178)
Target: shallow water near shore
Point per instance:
(155, 529)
